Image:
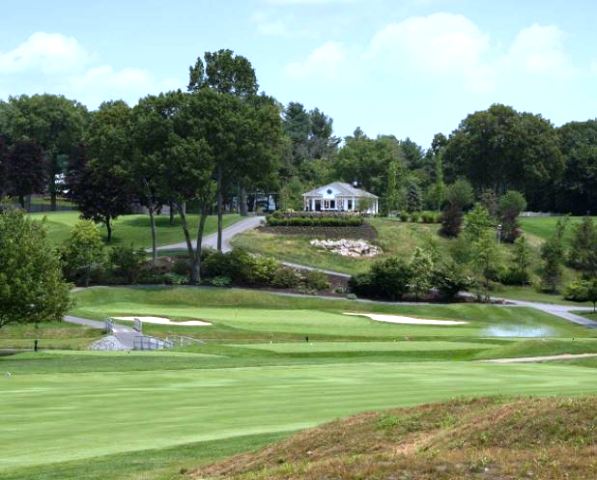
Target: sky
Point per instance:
(410, 68)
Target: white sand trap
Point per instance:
(165, 321)
(378, 317)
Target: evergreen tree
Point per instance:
(552, 254)
(583, 248)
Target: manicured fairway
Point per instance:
(402, 346)
(57, 417)
(128, 228)
(236, 311)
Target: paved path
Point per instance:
(544, 358)
(228, 233)
(125, 335)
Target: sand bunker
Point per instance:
(165, 321)
(405, 320)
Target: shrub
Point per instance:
(513, 276)
(83, 253)
(240, 267)
(449, 278)
(577, 291)
(316, 280)
(127, 263)
(427, 217)
(404, 216)
(388, 279)
(263, 270)
(181, 266)
(415, 217)
(174, 279)
(285, 277)
(221, 282)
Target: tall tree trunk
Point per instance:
(171, 212)
(22, 201)
(154, 250)
(109, 228)
(220, 201)
(195, 274)
(243, 208)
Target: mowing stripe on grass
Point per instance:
(74, 416)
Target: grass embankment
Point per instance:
(484, 438)
(394, 237)
(51, 335)
(129, 229)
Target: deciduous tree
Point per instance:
(32, 288)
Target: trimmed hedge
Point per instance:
(315, 221)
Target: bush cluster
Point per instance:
(315, 221)
(420, 217)
(393, 278)
(239, 267)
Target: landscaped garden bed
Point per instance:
(364, 231)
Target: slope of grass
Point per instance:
(64, 417)
(485, 438)
(394, 237)
(128, 229)
(49, 335)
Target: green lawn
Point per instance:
(128, 229)
(64, 417)
(153, 415)
(544, 227)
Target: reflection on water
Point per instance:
(517, 331)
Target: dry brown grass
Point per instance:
(490, 439)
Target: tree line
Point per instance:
(237, 141)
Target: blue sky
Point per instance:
(408, 68)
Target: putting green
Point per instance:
(57, 417)
(400, 346)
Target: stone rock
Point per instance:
(348, 248)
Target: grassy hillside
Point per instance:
(128, 228)
(394, 237)
(478, 439)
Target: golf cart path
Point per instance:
(544, 358)
(125, 335)
(228, 233)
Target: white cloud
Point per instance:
(55, 63)
(540, 49)
(441, 42)
(325, 61)
(49, 53)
